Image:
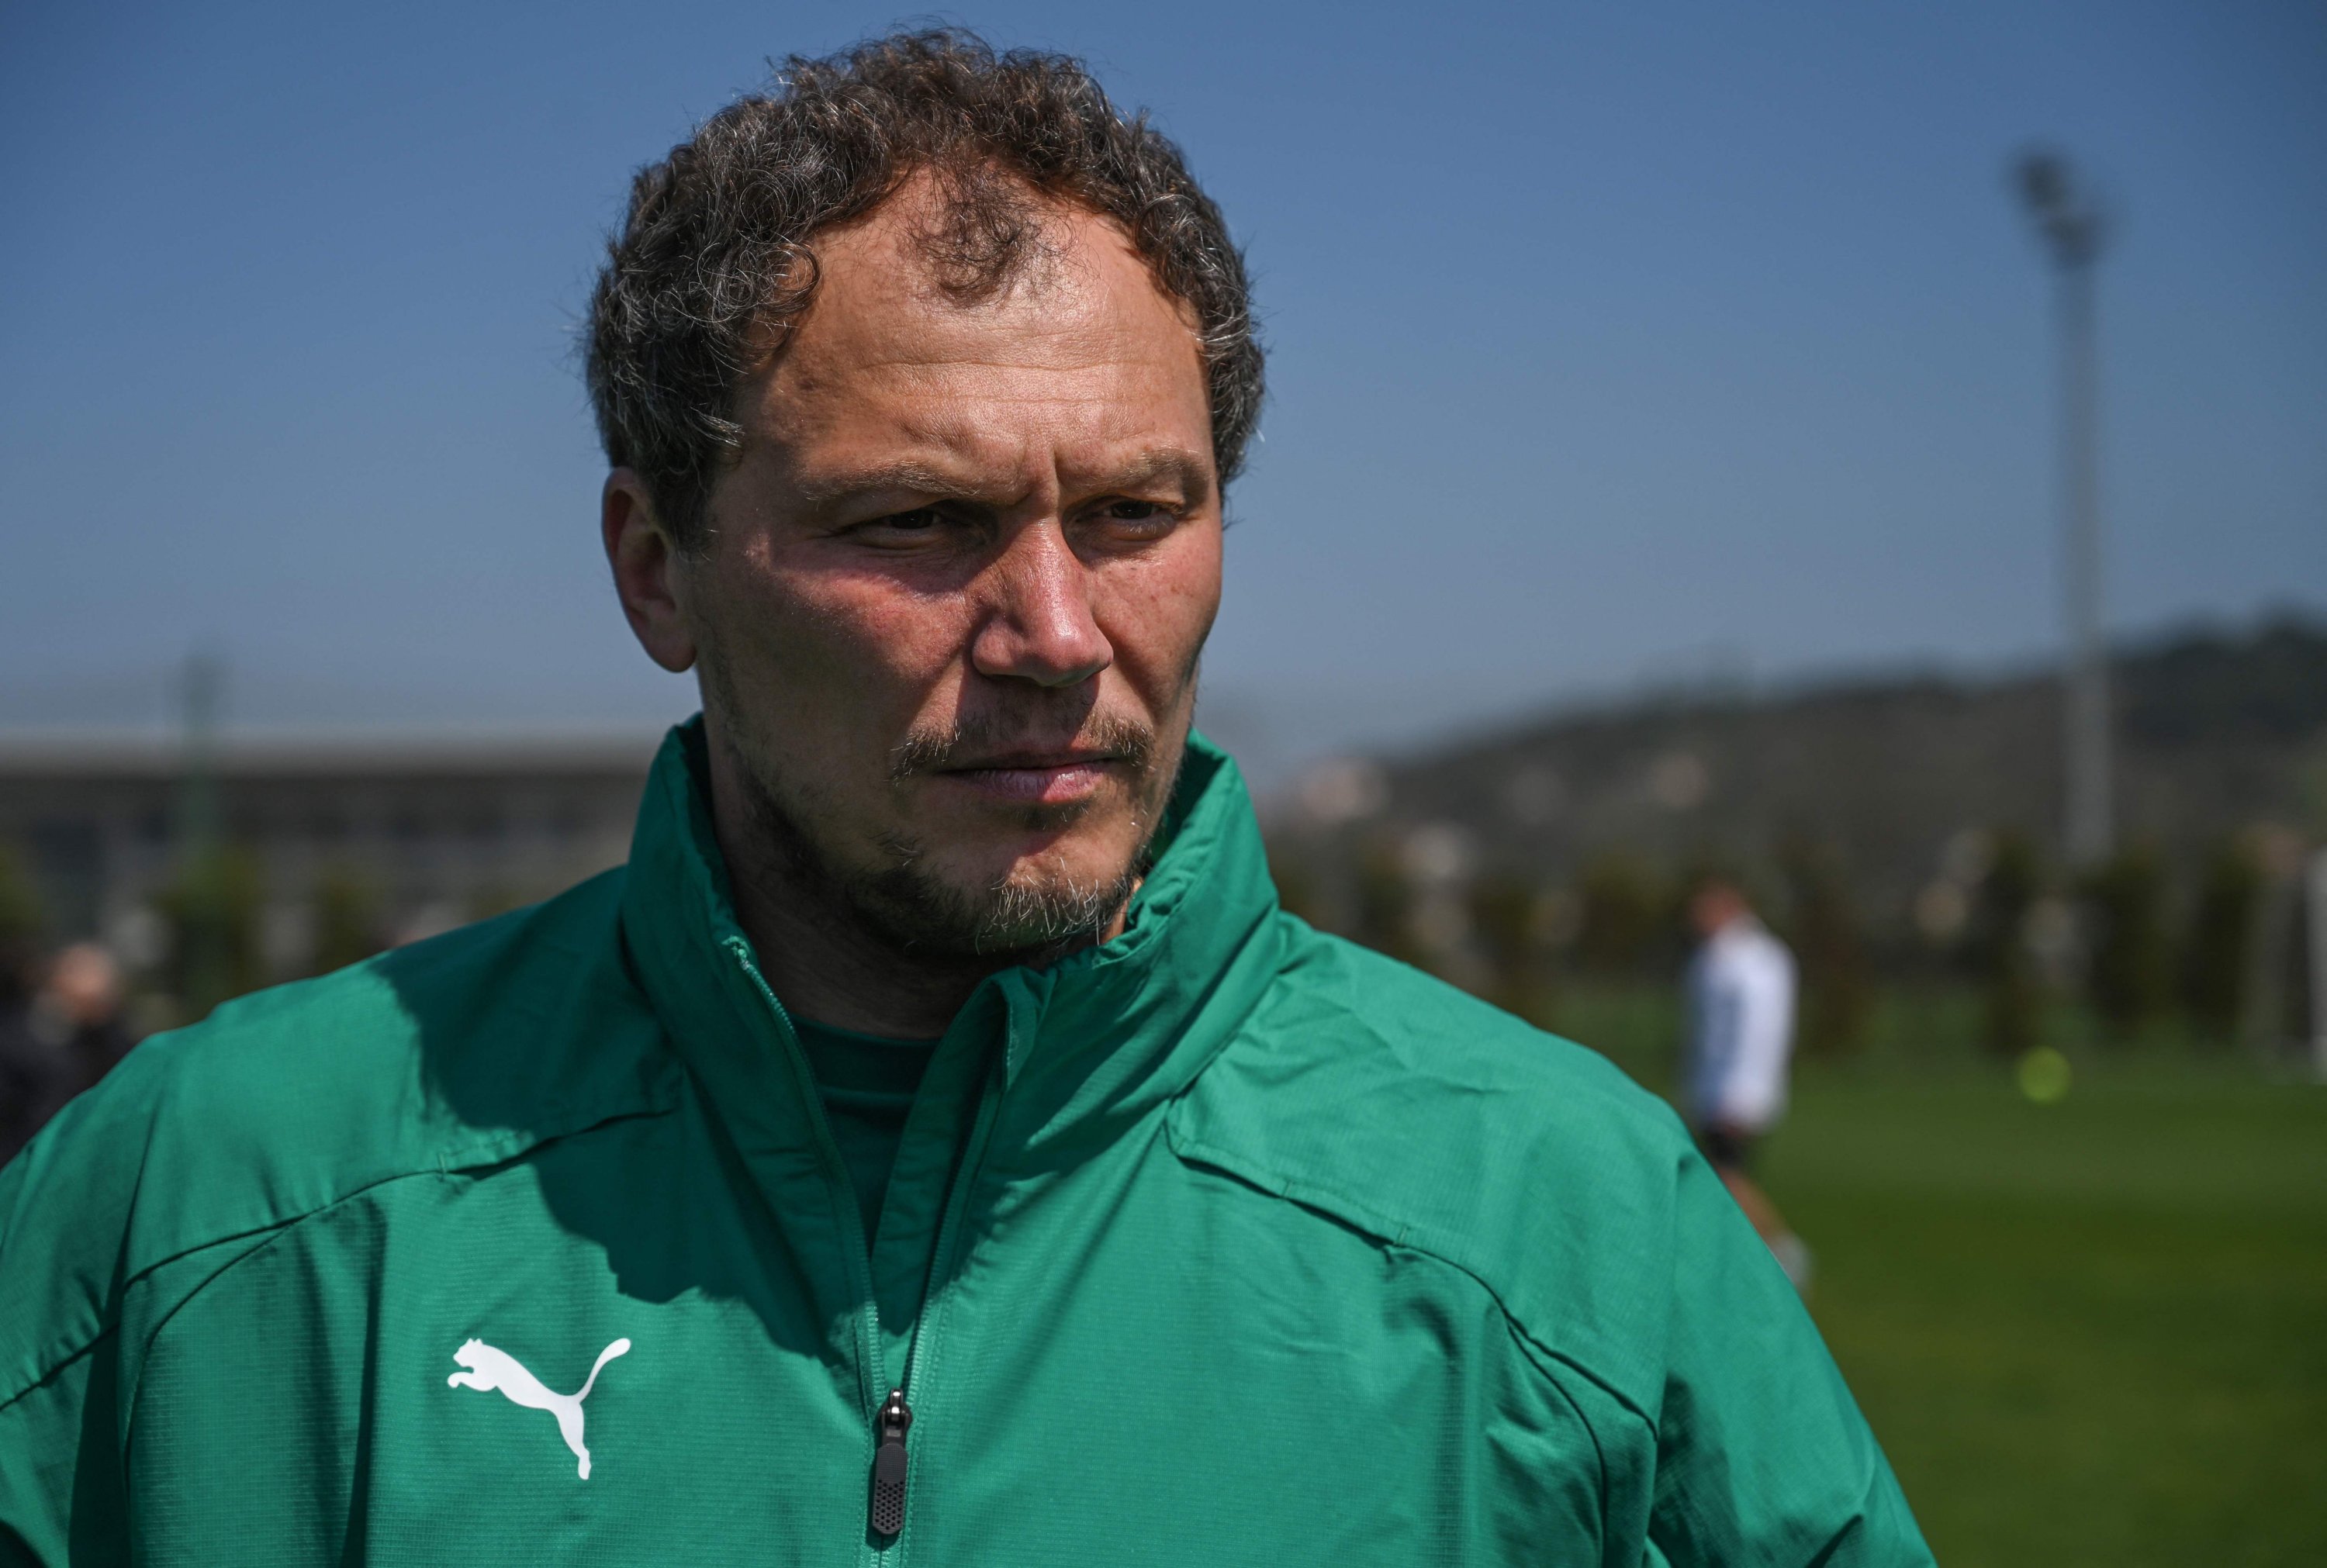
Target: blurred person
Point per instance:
(83, 1004)
(59, 1041)
(935, 1139)
(1740, 1038)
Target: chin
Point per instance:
(1048, 869)
(1059, 895)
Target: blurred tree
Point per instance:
(1297, 889)
(350, 925)
(1824, 930)
(23, 924)
(213, 910)
(1995, 944)
(1385, 901)
(2218, 957)
(495, 898)
(1503, 919)
(2295, 1021)
(20, 900)
(1623, 914)
(2129, 973)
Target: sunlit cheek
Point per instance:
(1157, 625)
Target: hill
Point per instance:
(1901, 785)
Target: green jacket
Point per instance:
(1223, 1242)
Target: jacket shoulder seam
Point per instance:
(444, 1167)
(448, 1163)
(111, 1323)
(34, 1386)
(1550, 1366)
(1354, 1213)
(267, 1237)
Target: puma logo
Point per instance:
(491, 1368)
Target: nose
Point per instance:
(1039, 627)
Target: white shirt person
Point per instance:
(1741, 1007)
(1741, 993)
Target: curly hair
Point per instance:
(714, 266)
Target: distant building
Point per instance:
(434, 832)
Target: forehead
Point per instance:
(1077, 346)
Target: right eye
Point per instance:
(901, 530)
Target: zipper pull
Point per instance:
(888, 1464)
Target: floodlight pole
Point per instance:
(2072, 227)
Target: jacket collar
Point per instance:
(1089, 1045)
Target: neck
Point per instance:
(820, 955)
(826, 966)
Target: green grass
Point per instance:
(2088, 1332)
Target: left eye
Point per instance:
(920, 519)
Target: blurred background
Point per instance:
(1700, 440)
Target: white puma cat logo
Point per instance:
(491, 1368)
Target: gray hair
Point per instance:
(713, 267)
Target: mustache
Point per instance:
(940, 748)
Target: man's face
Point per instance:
(1713, 906)
(951, 607)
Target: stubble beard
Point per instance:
(1029, 915)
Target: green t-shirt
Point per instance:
(867, 1083)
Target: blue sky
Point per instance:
(1609, 342)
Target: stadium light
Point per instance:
(2073, 227)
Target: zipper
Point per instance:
(886, 1507)
(887, 1513)
(888, 1464)
(851, 1221)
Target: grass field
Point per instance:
(2093, 1331)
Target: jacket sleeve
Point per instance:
(1762, 1456)
(62, 1494)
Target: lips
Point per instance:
(1064, 757)
(1046, 777)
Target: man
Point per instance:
(1741, 1014)
(935, 1141)
(63, 1038)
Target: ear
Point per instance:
(646, 567)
